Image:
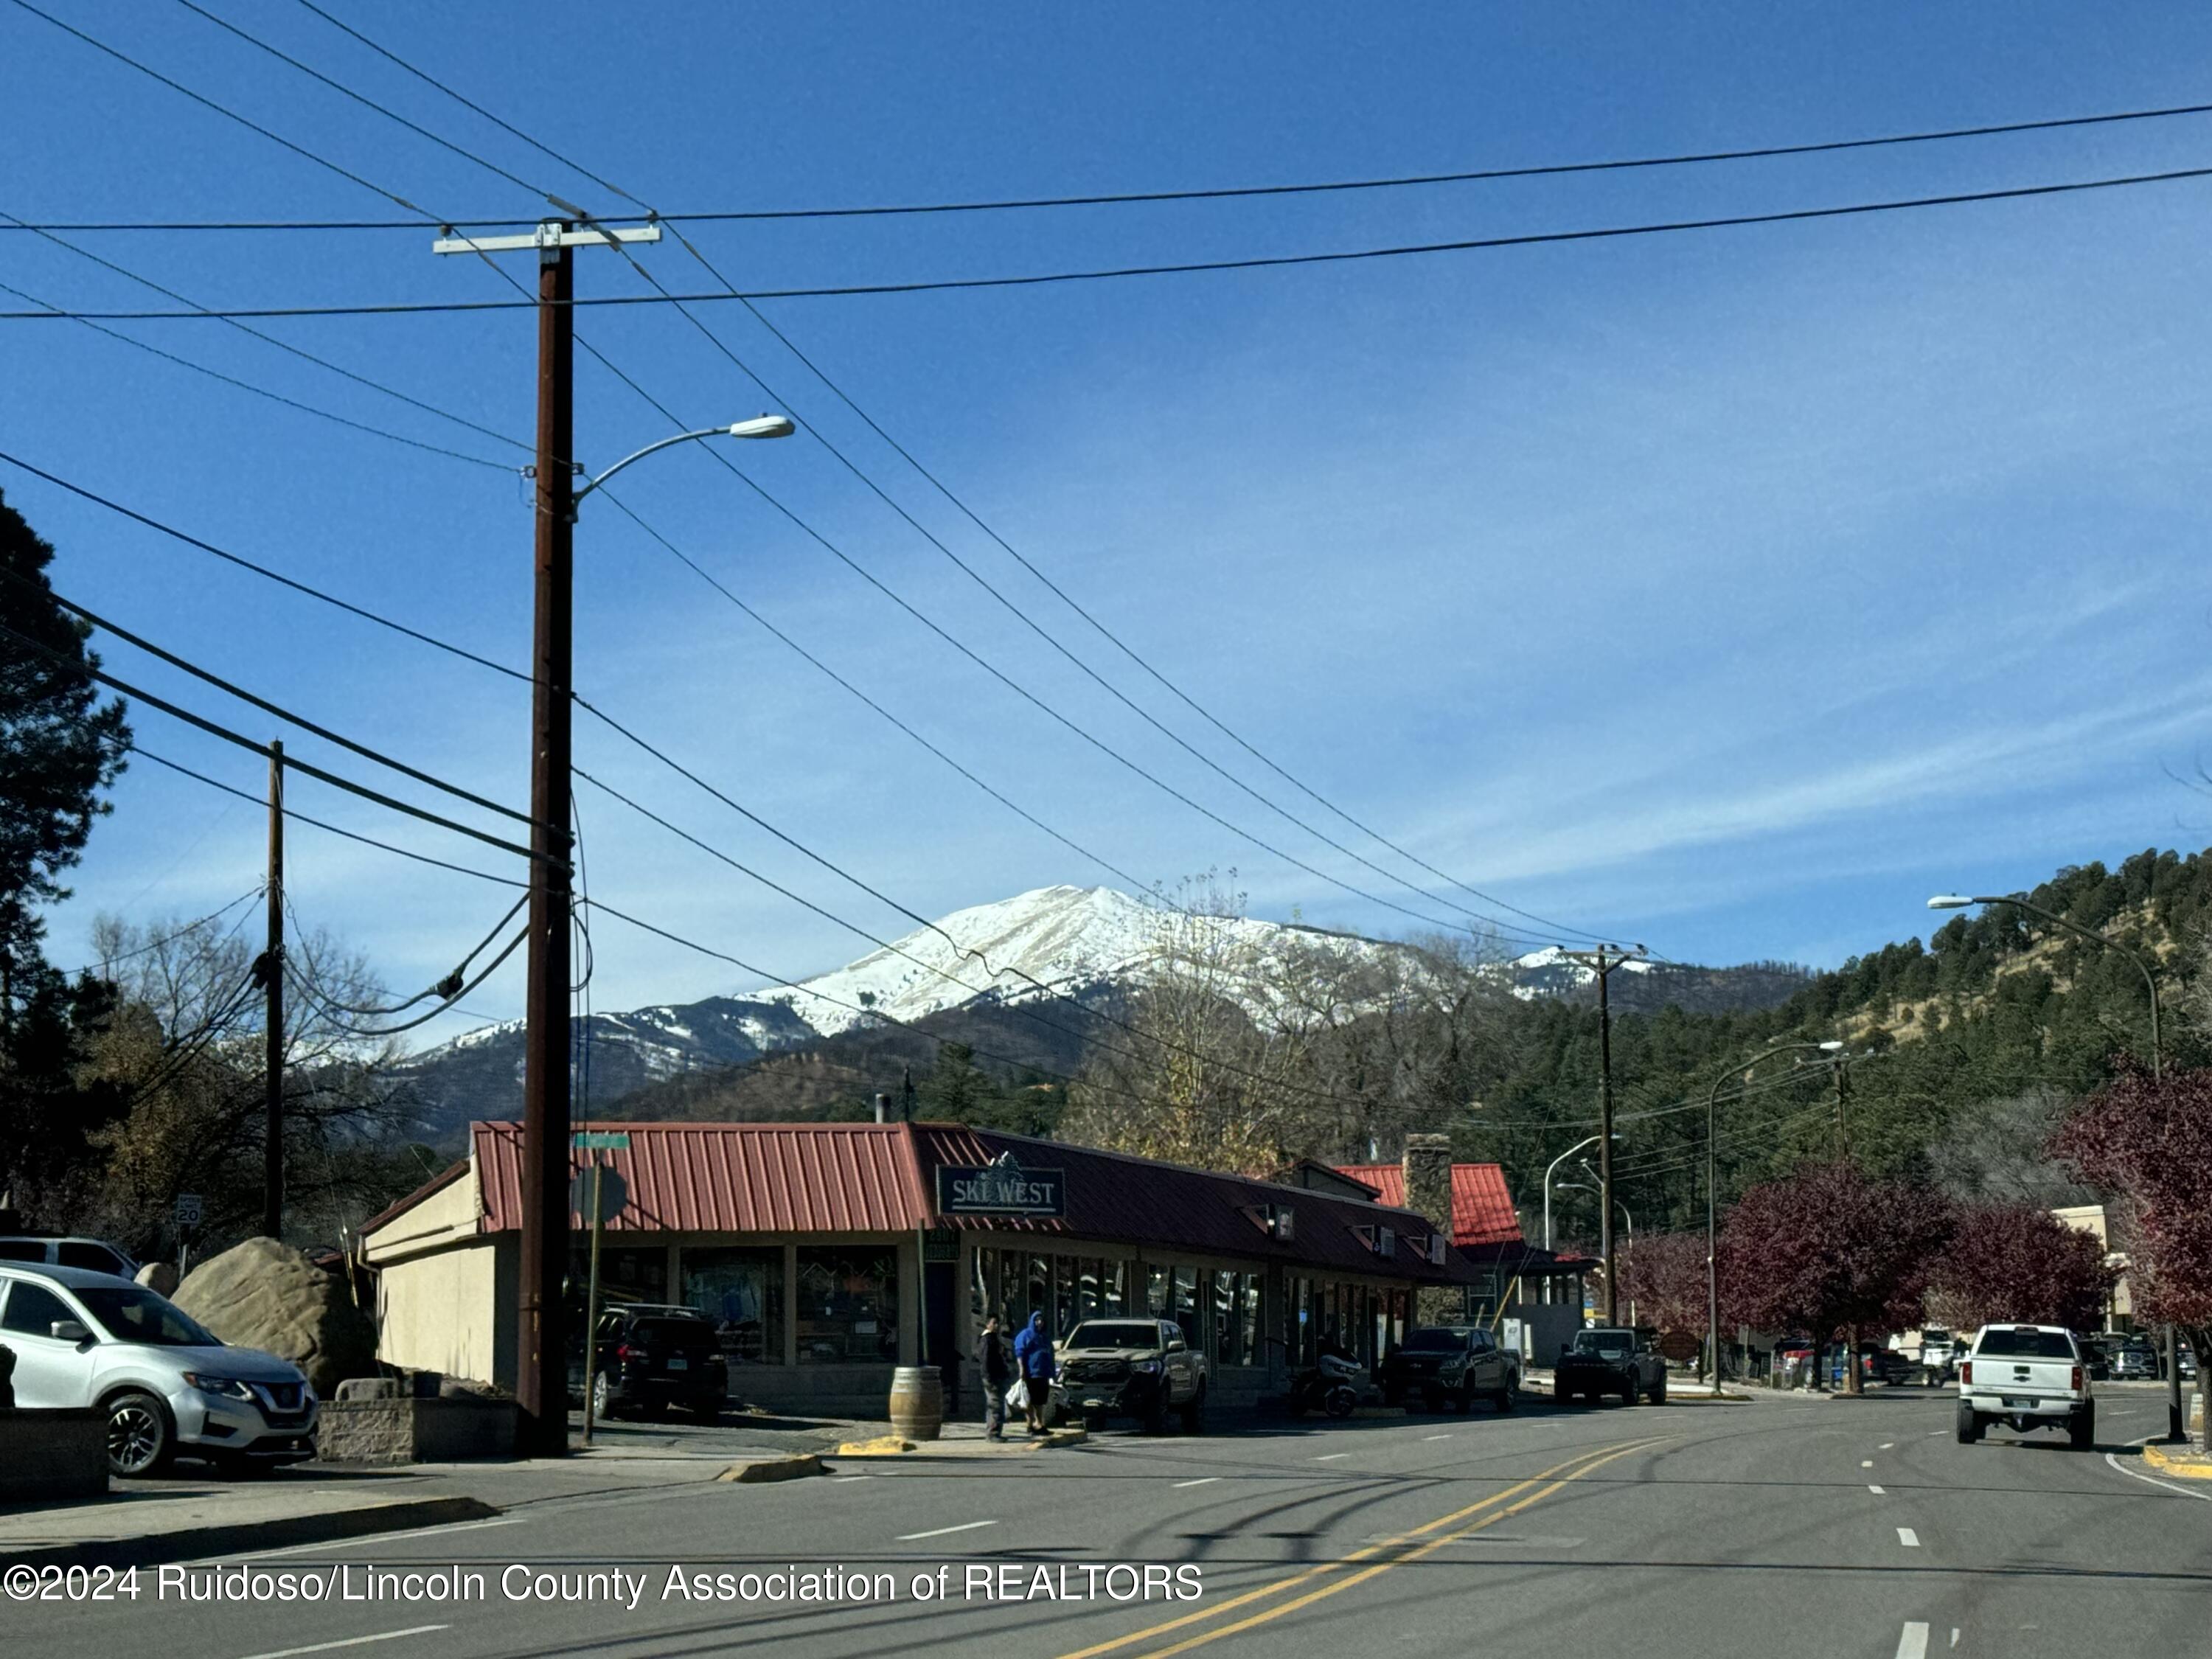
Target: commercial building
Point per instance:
(830, 1253)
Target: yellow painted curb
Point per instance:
(773, 1469)
(1065, 1437)
(2190, 1466)
(884, 1445)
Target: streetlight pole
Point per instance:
(1554, 1164)
(1712, 1206)
(1958, 901)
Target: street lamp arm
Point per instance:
(767, 426)
(2143, 967)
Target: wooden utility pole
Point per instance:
(1843, 1110)
(1602, 962)
(542, 1375)
(542, 1359)
(271, 967)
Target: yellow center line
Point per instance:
(1381, 1567)
(1327, 1567)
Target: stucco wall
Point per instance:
(438, 1312)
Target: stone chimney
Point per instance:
(1428, 1164)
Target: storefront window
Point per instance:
(1065, 1272)
(1038, 1296)
(1183, 1308)
(1116, 1288)
(847, 1298)
(1221, 1297)
(1155, 1292)
(983, 1286)
(1087, 1288)
(628, 1273)
(742, 1291)
(1247, 1303)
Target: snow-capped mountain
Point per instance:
(1053, 941)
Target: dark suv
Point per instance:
(1457, 1363)
(652, 1358)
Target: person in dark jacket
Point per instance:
(1033, 1354)
(998, 1377)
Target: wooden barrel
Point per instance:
(917, 1403)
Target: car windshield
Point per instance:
(2022, 1343)
(1611, 1344)
(1436, 1339)
(134, 1314)
(1114, 1334)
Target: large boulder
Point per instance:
(159, 1277)
(266, 1295)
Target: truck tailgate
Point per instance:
(2027, 1379)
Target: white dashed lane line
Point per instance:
(1331, 1457)
(1866, 1462)
(1202, 1481)
(1912, 1644)
(939, 1532)
(1887, 1446)
(1909, 1539)
(1876, 1491)
(350, 1641)
(1436, 1436)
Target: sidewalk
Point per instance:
(184, 1518)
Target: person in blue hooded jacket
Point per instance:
(1033, 1358)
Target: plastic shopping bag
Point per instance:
(1018, 1397)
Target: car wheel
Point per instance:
(2082, 1430)
(1659, 1392)
(1628, 1393)
(602, 1397)
(140, 1439)
(1970, 1424)
(1503, 1399)
(1194, 1413)
(710, 1412)
(1155, 1418)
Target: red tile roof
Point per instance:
(1482, 1208)
(734, 1177)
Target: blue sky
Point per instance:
(1728, 592)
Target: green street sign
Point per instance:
(597, 1141)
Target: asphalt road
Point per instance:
(1808, 1527)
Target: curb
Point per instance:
(2190, 1466)
(794, 1468)
(884, 1445)
(249, 1537)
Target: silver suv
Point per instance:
(167, 1386)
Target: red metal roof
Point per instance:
(1482, 1208)
(734, 1177)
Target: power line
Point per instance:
(943, 489)
(263, 392)
(298, 816)
(279, 711)
(448, 988)
(241, 740)
(262, 570)
(1826, 146)
(185, 932)
(1110, 273)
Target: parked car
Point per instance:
(92, 1254)
(1461, 1364)
(1140, 1368)
(169, 1388)
(2032, 1377)
(1607, 1359)
(1877, 1363)
(652, 1357)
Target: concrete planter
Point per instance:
(52, 1456)
(416, 1430)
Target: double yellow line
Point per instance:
(1333, 1577)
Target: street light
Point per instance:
(1960, 901)
(1554, 1164)
(1712, 1222)
(761, 426)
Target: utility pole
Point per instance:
(1602, 962)
(1843, 1110)
(542, 1363)
(271, 968)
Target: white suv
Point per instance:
(87, 1339)
(2032, 1377)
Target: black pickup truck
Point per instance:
(1608, 1359)
(1461, 1364)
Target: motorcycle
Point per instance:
(1330, 1387)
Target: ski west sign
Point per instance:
(1001, 1189)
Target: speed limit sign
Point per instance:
(188, 1209)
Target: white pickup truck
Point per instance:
(2032, 1377)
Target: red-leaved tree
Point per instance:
(1828, 1251)
(2019, 1264)
(2150, 1144)
(1665, 1276)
